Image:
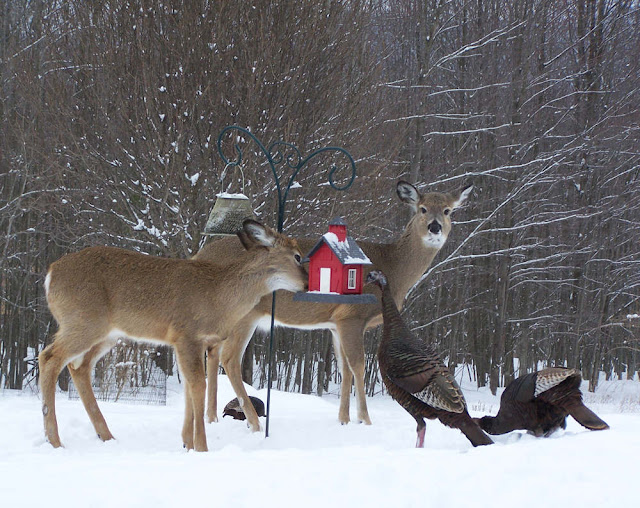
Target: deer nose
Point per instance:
(435, 227)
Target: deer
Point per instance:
(404, 261)
(101, 294)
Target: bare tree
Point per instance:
(110, 112)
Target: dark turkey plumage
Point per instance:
(540, 402)
(416, 377)
(234, 409)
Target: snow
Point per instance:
(364, 260)
(332, 239)
(193, 178)
(228, 195)
(343, 247)
(310, 460)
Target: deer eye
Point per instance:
(423, 209)
(447, 211)
(298, 258)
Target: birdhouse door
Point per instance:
(325, 280)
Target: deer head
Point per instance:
(432, 212)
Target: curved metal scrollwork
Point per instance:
(286, 154)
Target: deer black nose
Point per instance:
(435, 227)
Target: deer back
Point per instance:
(148, 297)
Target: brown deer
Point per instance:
(102, 293)
(404, 261)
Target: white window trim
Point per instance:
(351, 281)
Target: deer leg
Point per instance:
(50, 365)
(213, 364)
(232, 353)
(81, 373)
(352, 342)
(187, 425)
(347, 379)
(190, 356)
(70, 342)
(361, 398)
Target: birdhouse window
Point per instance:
(351, 282)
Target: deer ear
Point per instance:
(462, 197)
(255, 234)
(408, 194)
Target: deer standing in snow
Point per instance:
(100, 294)
(403, 261)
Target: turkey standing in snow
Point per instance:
(540, 402)
(415, 376)
(234, 409)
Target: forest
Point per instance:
(110, 113)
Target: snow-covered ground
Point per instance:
(310, 460)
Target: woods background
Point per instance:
(110, 113)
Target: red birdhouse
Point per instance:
(335, 268)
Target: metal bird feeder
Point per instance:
(229, 211)
(287, 155)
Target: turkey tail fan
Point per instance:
(587, 418)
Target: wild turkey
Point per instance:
(415, 376)
(540, 402)
(234, 409)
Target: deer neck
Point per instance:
(404, 262)
(253, 275)
(240, 284)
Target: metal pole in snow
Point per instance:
(276, 154)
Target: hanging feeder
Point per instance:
(229, 211)
(336, 269)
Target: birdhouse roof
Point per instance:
(348, 252)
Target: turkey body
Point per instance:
(416, 378)
(234, 409)
(539, 402)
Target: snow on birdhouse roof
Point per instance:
(348, 252)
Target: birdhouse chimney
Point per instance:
(339, 228)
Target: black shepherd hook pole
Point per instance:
(275, 156)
